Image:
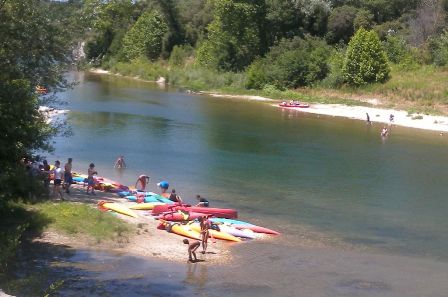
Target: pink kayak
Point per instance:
(210, 211)
(256, 229)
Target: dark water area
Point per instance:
(330, 181)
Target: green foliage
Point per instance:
(234, 36)
(291, 64)
(140, 67)
(365, 61)
(145, 38)
(180, 54)
(363, 19)
(438, 49)
(340, 24)
(335, 77)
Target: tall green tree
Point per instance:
(365, 60)
(236, 35)
(35, 50)
(145, 38)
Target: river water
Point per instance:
(360, 215)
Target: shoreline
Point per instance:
(377, 115)
(147, 241)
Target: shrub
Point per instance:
(365, 60)
(438, 49)
(180, 54)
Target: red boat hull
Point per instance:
(179, 217)
(256, 229)
(300, 105)
(210, 211)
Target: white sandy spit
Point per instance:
(378, 115)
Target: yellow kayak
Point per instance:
(145, 206)
(117, 208)
(185, 230)
(216, 234)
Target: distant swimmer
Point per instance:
(120, 163)
(141, 182)
(384, 132)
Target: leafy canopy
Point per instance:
(365, 60)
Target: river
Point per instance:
(360, 215)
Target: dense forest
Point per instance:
(267, 44)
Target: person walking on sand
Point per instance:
(120, 163)
(205, 233)
(90, 179)
(68, 179)
(142, 181)
(391, 118)
(58, 174)
(368, 118)
(192, 247)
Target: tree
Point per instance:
(236, 35)
(340, 24)
(429, 18)
(35, 50)
(145, 38)
(365, 60)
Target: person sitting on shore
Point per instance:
(192, 247)
(120, 163)
(141, 182)
(90, 179)
(202, 201)
(174, 197)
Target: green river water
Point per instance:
(360, 215)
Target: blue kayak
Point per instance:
(229, 221)
(148, 199)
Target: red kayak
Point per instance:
(181, 216)
(211, 211)
(256, 229)
(295, 104)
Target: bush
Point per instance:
(290, 64)
(365, 60)
(180, 54)
(438, 49)
(335, 77)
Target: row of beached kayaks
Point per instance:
(183, 219)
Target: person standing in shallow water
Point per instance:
(368, 118)
(120, 163)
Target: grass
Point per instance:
(81, 219)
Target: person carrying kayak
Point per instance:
(141, 182)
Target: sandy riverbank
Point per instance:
(148, 241)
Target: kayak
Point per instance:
(216, 234)
(294, 105)
(148, 199)
(117, 208)
(256, 229)
(145, 206)
(245, 233)
(211, 211)
(244, 225)
(185, 230)
(181, 216)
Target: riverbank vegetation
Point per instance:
(308, 48)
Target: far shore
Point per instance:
(376, 114)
